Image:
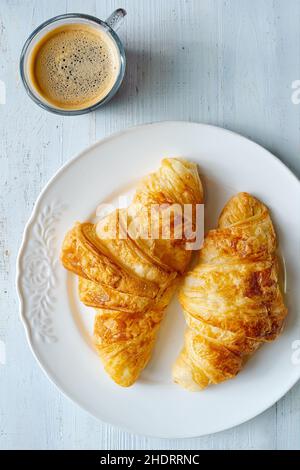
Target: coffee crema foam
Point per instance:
(74, 66)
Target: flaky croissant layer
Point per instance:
(130, 280)
(231, 300)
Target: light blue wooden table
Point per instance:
(225, 62)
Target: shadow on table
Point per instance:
(148, 77)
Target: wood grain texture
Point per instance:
(225, 62)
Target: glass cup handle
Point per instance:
(116, 18)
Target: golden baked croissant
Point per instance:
(129, 277)
(232, 301)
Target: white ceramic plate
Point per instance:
(59, 328)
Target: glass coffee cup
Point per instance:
(73, 64)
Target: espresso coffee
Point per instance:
(74, 66)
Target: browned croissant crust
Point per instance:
(130, 280)
(232, 301)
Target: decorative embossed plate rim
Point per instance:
(57, 326)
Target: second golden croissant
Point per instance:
(231, 300)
